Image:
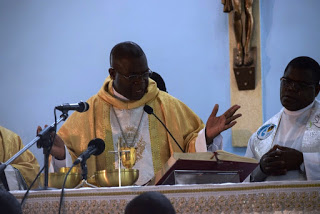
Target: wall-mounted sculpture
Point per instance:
(244, 56)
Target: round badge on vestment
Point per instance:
(265, 131)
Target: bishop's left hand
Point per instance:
(217, 124)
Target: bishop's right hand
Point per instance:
(58, 149)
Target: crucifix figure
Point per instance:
(243, 54)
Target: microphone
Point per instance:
(95, 147)
(149, 110)
(80, 107)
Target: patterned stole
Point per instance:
(264, 137)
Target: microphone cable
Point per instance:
(149, 110)
(62, 190)
(99, 146)
(31, 185)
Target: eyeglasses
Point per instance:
(145, 75)
(296, 84)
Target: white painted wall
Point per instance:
(289, 28)
(53, 52)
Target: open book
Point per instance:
(220, 160)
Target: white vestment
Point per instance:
(299, 130)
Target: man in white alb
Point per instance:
(288, 144)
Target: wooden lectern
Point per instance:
(204, 168)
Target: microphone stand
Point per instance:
(84, 173)
(43, 140)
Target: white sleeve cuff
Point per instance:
(217, 144)
(14, 179)
(201, 145)
(56, 164)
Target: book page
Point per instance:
(210, 156)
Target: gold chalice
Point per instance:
(124, 177)
(128, 156)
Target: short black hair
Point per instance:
(125, 50)
(159, 80)
(150, 202)
(8, 203)
(306, 63)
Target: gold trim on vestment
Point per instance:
(81, 128)
(110, 157)
(155, 142)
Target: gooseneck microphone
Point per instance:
(79, 107)
(149, 110)
(95, 147)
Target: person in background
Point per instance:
(9, 204)
(159, 80)
(26, 163)
(288, 144)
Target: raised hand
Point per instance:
(217, 124)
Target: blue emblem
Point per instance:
(265, 131)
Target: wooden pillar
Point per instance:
(249, 100)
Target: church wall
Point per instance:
(54, 52)
(289, 29)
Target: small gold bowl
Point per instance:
(55, 180)
(73, 170)
(110, 178)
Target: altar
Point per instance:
(265, 197)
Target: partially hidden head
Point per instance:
(8, 203)
(129, 70)
(150, 202)
(159, 80)
(300, 83)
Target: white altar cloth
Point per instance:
(264, 197)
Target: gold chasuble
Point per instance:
(26, 163)
(81, 128)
